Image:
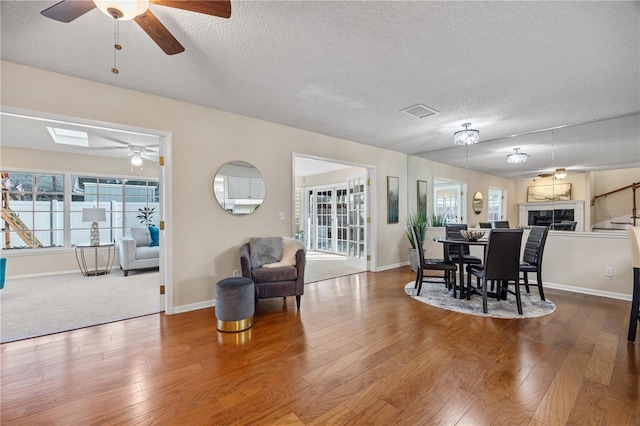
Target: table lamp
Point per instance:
(94, 215)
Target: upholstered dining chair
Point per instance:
(501, 224)
(634, 238)
(451, 251)
(532, 256)
(501, 264)
(485, 225)
(447, 268)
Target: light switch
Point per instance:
(280, 215)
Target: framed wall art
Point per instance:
(422, 198)
(558, 192)
(393, 189)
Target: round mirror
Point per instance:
(239, 187)
(477, 203)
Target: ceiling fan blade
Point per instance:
(220, 8)
(68, 10)
(159, 33)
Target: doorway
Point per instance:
(331, 205)
(120, 138)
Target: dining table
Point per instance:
(461, 242)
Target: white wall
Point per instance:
(206, 239)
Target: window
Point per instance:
(127, 203)
(495, 204)
(448, 200)
(34, 214)
(32, 210)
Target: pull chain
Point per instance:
(116, 46)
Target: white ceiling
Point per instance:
(347, 69)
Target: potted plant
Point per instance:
(437, 220)
(145, 215)
(420, 221)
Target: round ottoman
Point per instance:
(235, 303)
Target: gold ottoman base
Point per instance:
(233, 326)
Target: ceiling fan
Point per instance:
(558, 173)
(137, 151)
(138, 10)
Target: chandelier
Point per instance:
(466, 136)
(517, 157)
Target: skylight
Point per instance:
(68, 137)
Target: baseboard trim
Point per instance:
(43, 274)
(194, 306)
(589, 291)
(388, 267)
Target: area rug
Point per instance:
(437, 295)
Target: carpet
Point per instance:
(437, 295)
(323, 266)
(32, 307)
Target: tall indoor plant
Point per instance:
(420, 221)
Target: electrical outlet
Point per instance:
(608, 271)
(235, 272)
(280, 215)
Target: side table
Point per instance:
(82, 263)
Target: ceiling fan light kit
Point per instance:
(124, 10)
(136, 155)
(560, 173)
(466, 136)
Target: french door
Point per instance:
(337, 220)
(357, 217)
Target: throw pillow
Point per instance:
(290, 247)
(155, 236)
(141, 235)
(265, 250)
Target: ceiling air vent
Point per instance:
(419, 111)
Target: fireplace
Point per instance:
(548, 213)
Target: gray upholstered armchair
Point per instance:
(275, 272)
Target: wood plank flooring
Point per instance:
(358, 352)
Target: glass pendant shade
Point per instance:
(466, 136)
(124, 10)
(136, 160)
(517, 157)
(560, 173)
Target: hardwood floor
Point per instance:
(359, 351)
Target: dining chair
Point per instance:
(532, 256)
(501, 264)
(452, 251)
(500, 224)
(449, 269)
(485, 225)
(634, 238)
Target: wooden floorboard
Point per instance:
(360, 351)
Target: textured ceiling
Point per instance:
(347, 69)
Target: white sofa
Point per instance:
(136, 252)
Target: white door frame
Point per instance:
(371, 200)
(165, 182)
